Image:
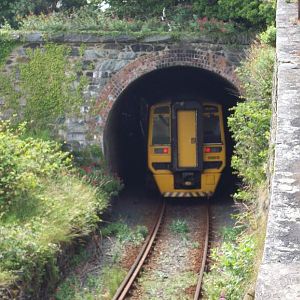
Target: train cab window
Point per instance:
(162, 110)
(212, 132)
(161, 126)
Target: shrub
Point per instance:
(248, 13)
(24, 163)
(250, 125)
(256, 73)
(95, 171)
(11, 11)
(268, 37)
(179, 18)
(250, 121)
(137, 9)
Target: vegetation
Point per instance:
(39, 183)
(233, 267)
(179, 226)
(45, 200)
(250, 121)
(143, 17)
(249, 13)
(6, 46)
(95, 21)
(124, 234)
(104, 283)
(43, 204)
(172, 286)
(47, 84)
(268, 37)
(97, 286)
(12, 11)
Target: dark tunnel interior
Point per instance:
(125, 134)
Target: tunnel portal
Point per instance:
(125, 134)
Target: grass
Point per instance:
(32, 232)
(124, 234)
(173, 287)
(82, 255)
(96, 286)
(112, 278)
(232, 268)
(104, 283)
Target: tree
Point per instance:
(12, 10)
(140, 9)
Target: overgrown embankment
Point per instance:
(46, 201)
(45, 204)
(235, 263)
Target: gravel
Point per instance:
(171, 272)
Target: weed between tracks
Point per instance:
(179, 226)
(160, 286)
(124, 234)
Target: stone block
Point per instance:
(35, 37)
(157, 38)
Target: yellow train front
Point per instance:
(186, 148)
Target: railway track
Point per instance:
(131, 276)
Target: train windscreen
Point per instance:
(212, 133)
(161, 129)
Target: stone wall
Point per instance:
(111, 63)
(279, 275)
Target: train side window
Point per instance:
(161, 129)
(212, 132)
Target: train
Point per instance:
(186, 147)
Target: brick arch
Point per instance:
(208, 60)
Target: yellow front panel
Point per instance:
(209, 183)
(186, 126)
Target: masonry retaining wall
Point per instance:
(279, 275)
(112, 63)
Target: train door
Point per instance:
(187, 144)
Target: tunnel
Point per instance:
(125, 133)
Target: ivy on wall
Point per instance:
(6, 46)
(48, 83)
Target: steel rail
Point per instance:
(138, 263)
(204, 256)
